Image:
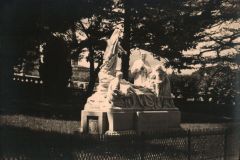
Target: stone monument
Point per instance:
(118, 105)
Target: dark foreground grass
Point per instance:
(43, 131)
(35, 143)
(28, 137)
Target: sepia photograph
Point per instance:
(119, 79)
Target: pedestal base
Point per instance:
(121, 121)
(148, 121)
(93, 122)
(98, 122)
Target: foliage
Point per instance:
(166, 28)
(184, 85)
(28, 24)
(218, 84)
(25, 25)
(169, 27)
(56, 69)
(95, 28)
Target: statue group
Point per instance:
(150, 91)
(118, 105)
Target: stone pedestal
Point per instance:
(117, 122)
(121, 121)
(148, 121)
(94, 122)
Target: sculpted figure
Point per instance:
(115, 93)
(108, 68)
(162, 88)
(140, 71)
(99, 100)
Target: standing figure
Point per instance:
(106, 74)
(140, 71)
(162, 88)
(108, 68)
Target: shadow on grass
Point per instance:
(31, 100)
(48, 110)
(22, 143)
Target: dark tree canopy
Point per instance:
(166, 28)
(169, 27)
(56, 70)
(25, 25)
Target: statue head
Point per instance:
(143, 56)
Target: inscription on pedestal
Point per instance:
(93, 125)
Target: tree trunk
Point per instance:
(126, 40)
(92, 73)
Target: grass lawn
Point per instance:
(43, 131)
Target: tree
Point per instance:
(15, 40)
(186, 85)
(24, 26)
(56, 70)
(95, 28)
(28, 24)
(169, 27)
(126, 38)
(166, 28)
(218, 84)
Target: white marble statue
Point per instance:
(115, 93)
(106, 74)
(140, 71)
(108, 68)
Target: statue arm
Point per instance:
(114, 37)
(111, 45)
